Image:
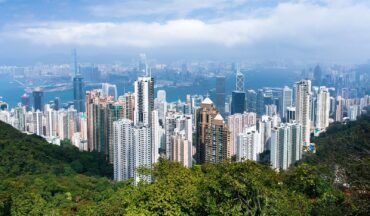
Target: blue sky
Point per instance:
(300, 30)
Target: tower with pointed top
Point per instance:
(238, 96)
(239, 84)
(78, 94)
(213, 135)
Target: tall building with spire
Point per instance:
(238, 104)
(78, 87)
(239, 82)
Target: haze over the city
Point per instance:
(333, 31)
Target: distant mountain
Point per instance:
(37, 178)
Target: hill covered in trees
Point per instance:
(37, 178)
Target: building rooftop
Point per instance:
(218, 117)
(207, 101)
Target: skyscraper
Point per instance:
(182, 141)
(251, 101)
(286, 147)
(339, 109)
(260, 103)
(25, 101)
(237, 102)
(97, 108)
(128, 103)
(143, 151)
(303, 95)
(56, 103)
(213, 136)
(220, 94)
(114, 112)
(109, 90)
(239, 81)
(161, 106)
(123, 144)
(236, 124)
(78, 94)
(38, 99)
(323, 108)
(144, 100)
(238, 96)
(290, 114)
(38, 123)
(248, 144)
(286, 101)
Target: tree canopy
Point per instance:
(38, 178)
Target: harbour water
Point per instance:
(12, 91)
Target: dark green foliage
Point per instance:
(29, 154)
(343, 155)
(38, 178)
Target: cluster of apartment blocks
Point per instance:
(134, 130)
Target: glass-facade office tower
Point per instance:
(78, 95)
(38, 99)
(237, 102)
(238, 96)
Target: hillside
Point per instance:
(29, 154)
(38, 178)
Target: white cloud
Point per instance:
(304, 26)
(178, 8)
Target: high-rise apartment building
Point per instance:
(142, 151)
(144, 100)
(236, 124)
(303, 98)
(286, 101)
(339, 109)
(123, 149)
(128, 104)
(286, 145)
(213, 135)
(182, 141)
(322, 108)
(248, 144)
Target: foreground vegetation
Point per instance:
(42, 179)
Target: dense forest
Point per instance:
(37, 178)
